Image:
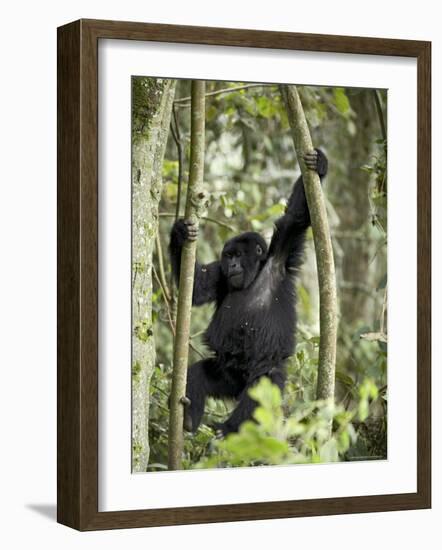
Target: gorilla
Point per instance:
(252, 331)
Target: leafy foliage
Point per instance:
(273, 438)
(250, 168)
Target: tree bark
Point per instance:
(152, 100)
(323, 245)
(195, 201)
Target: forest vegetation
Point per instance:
(249, 167)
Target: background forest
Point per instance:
(250, 167)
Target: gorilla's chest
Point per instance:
(255, 322)
(235, 330)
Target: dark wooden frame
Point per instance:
(77, 225)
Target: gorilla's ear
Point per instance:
(258, 250)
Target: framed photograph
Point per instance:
(219, 359)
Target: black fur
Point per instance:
(252, 331)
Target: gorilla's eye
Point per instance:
(258, 250)
(238, 253)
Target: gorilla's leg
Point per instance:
(246, 405)
(206, 379)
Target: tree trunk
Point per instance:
(194, 202)
(323, 245)
(355, 213)
(152, 100)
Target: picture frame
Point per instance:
(78, 278)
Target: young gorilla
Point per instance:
(252, 331)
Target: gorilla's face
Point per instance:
(242, 258)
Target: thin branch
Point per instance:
(197, 351)
(199, 333)
(205, 218)
(383, 311)
(157, 388)
(194, 203)
(180, 151)
(377, 102)
(169, 312)
(224, 91)
(169, 316)
(323, 246)
(220, 223)
(164, 284)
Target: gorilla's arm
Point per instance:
(287, 242)
(208, 278)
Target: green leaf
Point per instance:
(265, 107)
(264, 417)
(367, 391)
(345, 379)
(267, 394)
(341, 100)
(276, 210)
